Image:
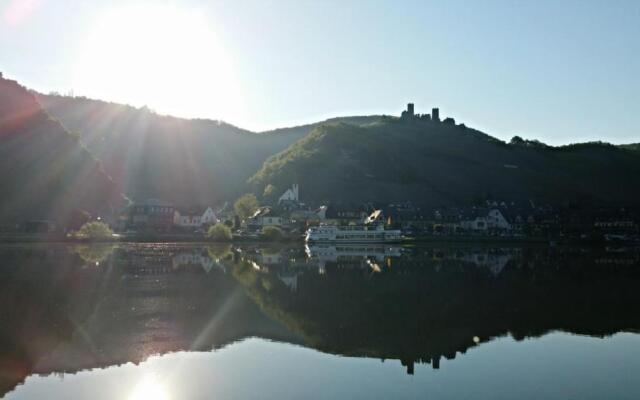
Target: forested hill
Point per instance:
(631, 146)
(444, 164)
(369, 158)
(179, 160)
(46, 171)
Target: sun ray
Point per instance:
(161, 56)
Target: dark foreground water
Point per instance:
(200, 322)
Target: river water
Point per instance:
(161, 321)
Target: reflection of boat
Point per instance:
(353, 234)
(352, 251)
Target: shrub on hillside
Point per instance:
(246, 205)
(272, 233)
(94, 231)
(219, 231)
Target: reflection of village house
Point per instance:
(494, 262)
(289, 278)
(269, 258)
(195, 258)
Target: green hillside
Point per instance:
(631, 146)
(179, 160)
(440, 163)
(46, 171)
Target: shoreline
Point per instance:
(56, 238)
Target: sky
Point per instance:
(557, 71)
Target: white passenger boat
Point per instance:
(353, 234)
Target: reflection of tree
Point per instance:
(219, 251)
(33, 313)
(94, 253)
(266, 291)
(420, 308)
(424, 308)
(56, 315)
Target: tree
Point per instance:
(272, 233)
(219, 231)
(94, 231)
(270, 194)
(269, 191)
(246, 205)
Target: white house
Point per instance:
(194, 217)
(496, 219)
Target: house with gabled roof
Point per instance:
(194, 217)
(483, 219)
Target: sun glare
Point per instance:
(149, 389)
(164, 57)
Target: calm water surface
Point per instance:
(272, 322)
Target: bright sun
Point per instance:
(149, 389)
(161, 56)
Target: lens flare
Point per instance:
(20, 10)
(165, 57)
(149, 388)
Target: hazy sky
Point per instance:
(559, 71)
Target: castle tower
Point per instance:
(435, 114)
(410, 112)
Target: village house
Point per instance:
(194, 217)
(151, 213)
(407, 217)
(484, 219)
(341, 214)
(264, 216)
(447, 220)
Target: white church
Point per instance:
(291, 195)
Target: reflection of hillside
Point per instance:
(435, 303)
(57, 316)
(417, 305)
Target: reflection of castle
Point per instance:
(138, 304)
(451, 298)
(375, 257)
